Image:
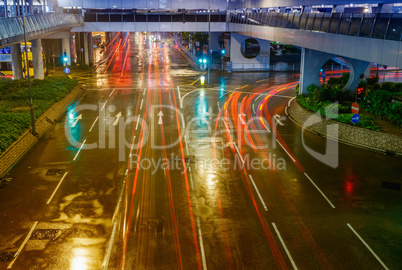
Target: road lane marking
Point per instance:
(22, 245)
(103, 107)
(253, 108)
(322, 193)
(367, 246)
(238, 152)
(194, 82)
(259, 195)
(185, 138)
(277, 117)
(290, 101)
(55, 190)
(109, 249)
(204, 262)
(142, 101)
(259, 96)
(284, 246)
(286, 151)
(79, 150)
(117, 119)
(180, 100)
(112, 92)
(286, 111)
(93, 125)
(191, 178)
(145, 90)
(182, 119)
(136, 127)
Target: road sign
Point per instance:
(82, 49)
(197, 44)
(323, 74)
(355, 118)
(67, 70)
(54, 55)
(385, 67)
(355, 108)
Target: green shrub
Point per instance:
(15, 105)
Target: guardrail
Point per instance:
(143, 17)
(370, 25)
(11, 29)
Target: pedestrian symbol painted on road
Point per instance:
(355, 118)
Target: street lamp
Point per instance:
(27, 67)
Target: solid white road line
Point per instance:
(103, 107)
(238, 152)
(93, 125)
(182, 119)
(286, 111)
(112, 92)
(253, 108)
(191, 178)
(258, 97)
(142, 101)
(109, 249)
(79, 150)
(259, 195)
(286, 151)
(322, 193)
(54, 192)
(180, 100)
(284, 246)
(204, 262)
(22, 245)
(368, 247)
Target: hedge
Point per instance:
(14, 103)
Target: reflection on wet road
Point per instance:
(149, 170)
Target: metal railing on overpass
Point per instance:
(370, 25)
(11, 29)
(144, 17)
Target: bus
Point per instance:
(6, 68)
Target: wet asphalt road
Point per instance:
(170, 176)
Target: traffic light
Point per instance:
(65, 58)
(223, 51)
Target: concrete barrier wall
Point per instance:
(20, 147)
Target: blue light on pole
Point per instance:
(223, 52)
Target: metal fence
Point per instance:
(369, 25)
(11, 29)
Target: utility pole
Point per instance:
(27, 67)
(209, 40)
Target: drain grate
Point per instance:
(391, 185)
(45, 234)
(151, 225)
(55, 171)
(6, 256)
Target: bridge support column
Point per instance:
(37, 59)
(66, 47)
(238, 47)
(312, 61)
(16, 61)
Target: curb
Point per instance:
(293, 105)
(24, 143)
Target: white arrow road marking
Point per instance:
(241, 115)
(117, 119)
(76, 120)
(160, 114)
(276, 117)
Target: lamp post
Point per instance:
(27, 67)
(209, 38)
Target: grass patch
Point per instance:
(14, 104)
